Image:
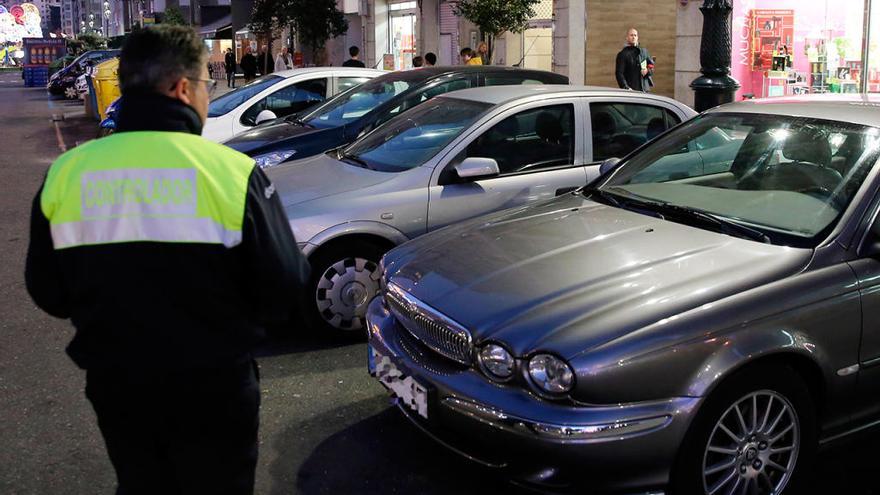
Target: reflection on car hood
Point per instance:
(318, 177)
(266, 138)
(572, 274)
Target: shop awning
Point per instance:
(218, 29)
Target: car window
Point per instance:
(534, 139)
(619, 128)
(233, 99)
(354, 104)
(423, 95)
(345, 83)
(288, 100)
(409, 140)
(790, 177)
(507, 80)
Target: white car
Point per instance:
(278, 95)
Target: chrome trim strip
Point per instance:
(499, 419)
(871, 363)
(847, 433)
(434, 329)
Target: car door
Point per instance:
(539, 150)
(288, 98)
(617, 126)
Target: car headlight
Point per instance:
(274, 158)
(496, 361)
(551, 374)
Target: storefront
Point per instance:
(786, 47)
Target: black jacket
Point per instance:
(248, 64)
(353, 63)
(628, 68)
(156, 305)
(229, 60)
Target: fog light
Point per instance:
(496, 361)
(551, 374)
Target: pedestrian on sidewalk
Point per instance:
(469, 57)
(229, 62)
(634, 67)
(430, 59)
(169, 253)
(483, 52)
(418, 61)
(353, 52)
(283, 60)
(248, 65)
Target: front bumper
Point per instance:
(620, 447)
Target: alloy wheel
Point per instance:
(753, 447)
(345, 290)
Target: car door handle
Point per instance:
(564, 190)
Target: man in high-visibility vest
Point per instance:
(170, 254)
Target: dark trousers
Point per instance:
(230, 78)
(185, 432)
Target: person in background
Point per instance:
(229, 62)
(353, 52)
(248, 65)
(468, 57)
(209, 261)
(634, 65)
(283, 61)
(483, 52)
(265, 64)
(430, 59)
(417, 62)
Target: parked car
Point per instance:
(341, 120)
(62, 83)
(278, 95)
(703, 331)
(454, 157)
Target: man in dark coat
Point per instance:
(248, 65)
(229, 62)
(632, 67)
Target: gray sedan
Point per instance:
(700, 319)
(458, 156)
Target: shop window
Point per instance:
(535, 139)
(620, 128)
(288, 100)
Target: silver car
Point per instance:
(458, 156)
(701, 318)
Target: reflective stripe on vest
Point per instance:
(147, 186)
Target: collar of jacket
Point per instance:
(155, 112)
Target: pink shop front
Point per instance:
(785, 47)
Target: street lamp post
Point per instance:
(715, 87)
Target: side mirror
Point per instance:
(474, 168)
(608, 165)
(265, 115)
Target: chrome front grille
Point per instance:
(433, 329)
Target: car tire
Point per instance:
(344, 279)
(786, 419)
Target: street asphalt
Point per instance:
(326, 426)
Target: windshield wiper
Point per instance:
(354, 159)
(608, 197)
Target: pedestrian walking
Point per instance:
(229, 62)
(634, 66)
(248, 65)
(430, 59)
(169, 253)
(283, 60)
(265, 63)
(483, 52)
(469, 57)
(418, 61)
(353, 52)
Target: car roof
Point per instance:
(853, 108)
(497, 95)
(336, 70)
(423, 74)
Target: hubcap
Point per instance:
(344, 291)
(753, 448)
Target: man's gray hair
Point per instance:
(153, 59)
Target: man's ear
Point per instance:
(182, 90)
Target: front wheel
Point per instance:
(344, 281)
(754, 435)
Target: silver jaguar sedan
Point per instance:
(699, 319)
(458, 156)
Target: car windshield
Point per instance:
(412, 138)
(358, 101)
(231, 100)
(787, 179)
